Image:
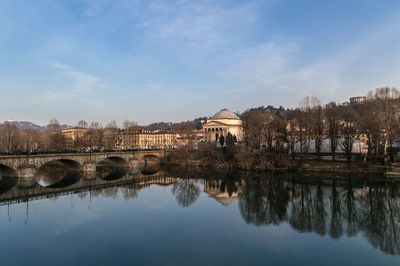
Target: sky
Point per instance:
(153, 60)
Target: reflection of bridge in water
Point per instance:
(130, 181)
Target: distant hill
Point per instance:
(25, 126)
(269, 110)
(169, 126)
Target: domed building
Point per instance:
(222, 123)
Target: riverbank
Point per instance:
(216, 161)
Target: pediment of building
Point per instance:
(215, 124)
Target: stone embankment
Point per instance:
(317, 166)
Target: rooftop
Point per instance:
(225, 114)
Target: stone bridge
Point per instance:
(26, 166)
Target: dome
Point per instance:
(225, 114)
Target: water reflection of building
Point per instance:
(162, 181)
(217, 189)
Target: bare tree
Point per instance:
(53, 125)
(332, 118)
(348, 129)
(129, 125)
(10, 137)
(387, 104)
(111, 135)
(346, 141)
(368, 121)
(275, 135)
(299, 123)
(253, 123)
(53, 139)
(31, 140)
(94, 136)
(82, 123)
(318, 127)
(309, 121)
(130, 128)
(187, 138)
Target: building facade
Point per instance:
(145, 139)
(222, 123)
(358, 100)
(73, 134)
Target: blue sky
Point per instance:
(102, 60)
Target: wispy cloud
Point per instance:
(198, 24)
(75, 82)
(257, 68)
(201, 25)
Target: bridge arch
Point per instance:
(112, 168)
(117, 160)
(71, 164)
(151, 159)
(150, 169)
(59, 173)
(8, 178)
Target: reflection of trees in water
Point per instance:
(186, 192)
(82, 194)
(319, 212)
(301, 210)
(109, 192)
(336, 229)
(130, 192)
(352, 212)
(230, 184)
(334, 209)
(381, 223)
(263, 201)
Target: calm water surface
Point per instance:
(199, 218)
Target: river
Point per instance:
(199, 217)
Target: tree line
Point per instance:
(299, 132)
(92, 136)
